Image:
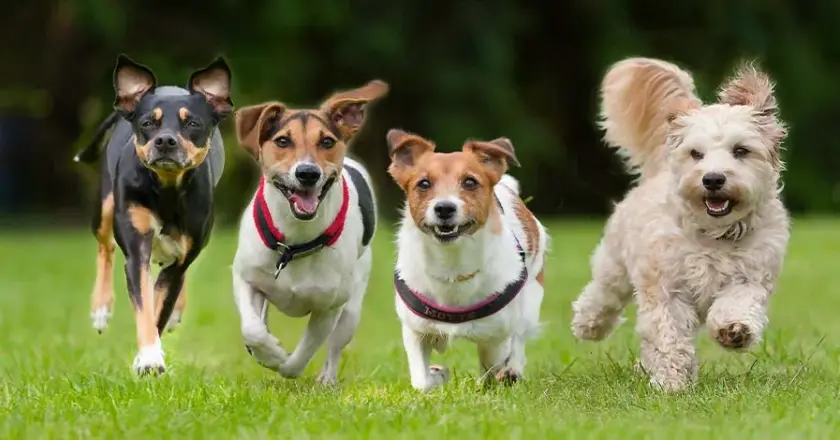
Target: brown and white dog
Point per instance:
(304, 241)
(470, 259)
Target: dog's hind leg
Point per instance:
(177, 312)
(102, 298)
(348, 322)
(597, 311)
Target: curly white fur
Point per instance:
(687, 266)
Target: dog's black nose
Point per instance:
(713, 181)
(165, 142)
(307, 174)
(445, 210)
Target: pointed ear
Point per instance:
(347, 109)
(213, 82)
(253, 124)
(752, 87)
(131, 82)
(405, 148)
(496, 156)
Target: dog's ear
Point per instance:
(496, 156)
(347, 109)
(405, 148)
(253, 123)
(751, 87)
(213, 82)
(131, 82)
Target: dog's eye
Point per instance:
(283, 141)
(696, 155)
(740, 152)
(146, 124)
(326, 143)
(193, 124)
(424, 184)
(469, 183)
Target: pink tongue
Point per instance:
(714, 204)
(305, 202)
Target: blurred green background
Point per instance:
(525, 69)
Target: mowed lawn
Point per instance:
(59, 378)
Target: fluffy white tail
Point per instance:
(639, 96)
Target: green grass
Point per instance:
(58, 378)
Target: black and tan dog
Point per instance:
(161, 166)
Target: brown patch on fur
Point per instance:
(183, 113)
(253, 124)
(103, 287)
(541, 277)
(144, 313)
(529, 226)
(141, 218)
(157, 114)
(142, 150)
(195, 154)
(186, 245)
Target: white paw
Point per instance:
(328, 378)
(174, 321)
(149, 360)
(100, 318)
(265, 348)
(437, 376)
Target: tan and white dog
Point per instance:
(701, 239)
(470, 259)
(304, 239)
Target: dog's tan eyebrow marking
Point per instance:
(157, 113)
(183, 113)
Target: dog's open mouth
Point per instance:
(718, 206)
(304, 201)
(448, 232)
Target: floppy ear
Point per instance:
(752, 87)
(213, 82)
(131, 82)
(347, 109)
(405, 148)
(496, 156)
(253, 122)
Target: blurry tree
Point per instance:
(525, 69)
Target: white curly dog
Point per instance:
(702, 237)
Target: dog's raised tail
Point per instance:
(639, 96)
(90, 153)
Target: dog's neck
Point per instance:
(300, 231)
(460, 273)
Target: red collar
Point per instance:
(276, 240)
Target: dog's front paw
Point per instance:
(670, 382)
(508, 376)
(436, 377)
(100, 317)
(174, 321)
(327, 379)
(149, 361)
(735, 336)
(266, 349)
